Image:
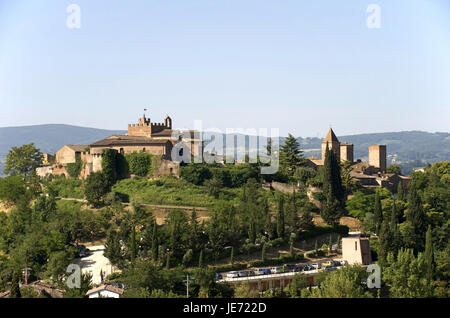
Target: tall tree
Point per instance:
(291, 156)
(15, 289)
(154, 242)
(429, 255)
(23, 160)
(415, 215)
(280, 217)
(396, 235)
(333, 207)
(95, 188)
(400, 191)
(378, 212)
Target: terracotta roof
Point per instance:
(110, 288)
(330, 137)
(125, 140)
(79, 148)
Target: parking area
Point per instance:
(307, 268)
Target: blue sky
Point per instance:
(295, 65)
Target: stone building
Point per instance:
(356, 250)
(377, 157)
(157, 139)
(369, 174)
(69, 153)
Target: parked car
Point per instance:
(232, 275)
(276, 270)
(259, 271)
(307, 268)
(83, 251)
(327, 264)
(267, 271)
(315, 265)
(250, 273)
(219, 276)
(328, 267)
(299, 268)
(290, 267)
(337, 263)
(343, 262)
(242, 274)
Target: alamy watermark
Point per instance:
(240, 145)
(73, 20)
(373, 20)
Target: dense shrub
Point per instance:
(195, 173)
(67, 187)
(12, 188)
(231, 176)
(140, 163)
(319, 230)
(74, 168)
(95, 189)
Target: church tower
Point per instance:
(333, 144)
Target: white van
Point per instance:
(275, 270)
(232, 275)
(258, 271)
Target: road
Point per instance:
(160, 206)
(95, 262)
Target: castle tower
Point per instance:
(377, 157)
(346, 152)
(142, 128)
(168, 122)
(333, 144)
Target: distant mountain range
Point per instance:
(404, 147)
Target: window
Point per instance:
(356, 245)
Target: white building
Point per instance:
(105, 291)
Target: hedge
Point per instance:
(320, 230)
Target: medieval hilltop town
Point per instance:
(160, 138)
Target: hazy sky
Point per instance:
(296, 65)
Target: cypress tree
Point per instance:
(416, 215)
(334, 192)
(15, 289)
(385, 240)
(133, 243)
(330, 244)
(263, 253)
(232, 256)
(396, 235)
(154, 242)
(378, 212)
(291, 248)
(168, 261)
(280, 217)
(400, 191)
(429, 255)
(200, 259)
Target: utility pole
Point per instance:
(187, 285)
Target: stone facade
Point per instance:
(69, 153)
(157, 139)
(332, 142)
(356, 250)
(346, 152)
(377, 156)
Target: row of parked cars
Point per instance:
(328, 265)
